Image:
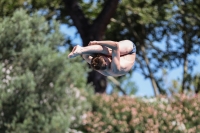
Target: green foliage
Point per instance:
(137, 19)
(7, 7)
(91, 8)
(113, 114)
(183, 34)
(39, 85)
(193, 85)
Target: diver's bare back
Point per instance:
(126, 64)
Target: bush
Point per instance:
(39, 85)
(113, 114)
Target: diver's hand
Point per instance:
(93, 43)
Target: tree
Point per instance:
(140, 21)
(186, 37)
(38, 83)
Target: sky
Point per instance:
(144, 85)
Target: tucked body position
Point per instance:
(109, 58)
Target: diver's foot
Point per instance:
(75, 52)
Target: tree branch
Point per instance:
(143, 70)
(117, 84)
(77, 15)
(105, 15)
(192, 16)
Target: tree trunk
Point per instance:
(90, 32)
(139, 35)
(153, 82)
(98, 80)
(185, 64)
(185, 55)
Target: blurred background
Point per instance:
(42, 91)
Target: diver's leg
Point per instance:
(126, 47)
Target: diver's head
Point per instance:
(98, 63)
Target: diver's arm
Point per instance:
(94, 49)
(109, 44)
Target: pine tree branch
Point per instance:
(142, 68)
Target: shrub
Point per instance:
(113, 114)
